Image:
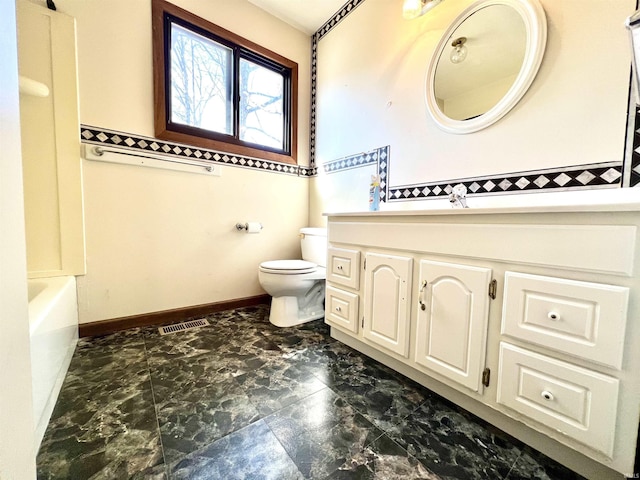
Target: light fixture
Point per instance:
(459, 52)
(414, 8)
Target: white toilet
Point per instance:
(297, 286)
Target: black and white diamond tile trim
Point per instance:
(353, 161)
(569, 178)
(383, 166)
(138, 143)
(337, 17)
(378, 155)
(314, 78)
(634, 177)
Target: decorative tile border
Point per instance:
(634, 174)
(337, 17)
(352, 161)
(314, 100)
(566, 178)
(138, 143)
(379, 156)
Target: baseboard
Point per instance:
(104, 327)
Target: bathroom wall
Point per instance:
(17, 456)
(371, 95)
(159, 239)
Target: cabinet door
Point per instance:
(452, 321)
(387, 302)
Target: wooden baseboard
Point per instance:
(104, 327)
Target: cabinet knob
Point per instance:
(553, 316)
(547, 395)
(339, 267)
(338, 309)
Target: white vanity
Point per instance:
(528, 317)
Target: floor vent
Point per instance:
(181, 327)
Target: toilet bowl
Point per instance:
(297, 286)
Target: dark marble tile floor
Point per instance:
(242, 399)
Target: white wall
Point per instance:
(17, 456)
(371, 73)
(159, 239)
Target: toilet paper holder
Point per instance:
(249, 227)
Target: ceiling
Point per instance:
(305, 15)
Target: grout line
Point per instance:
(155, 407)
(513, 466)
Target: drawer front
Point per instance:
(343, 267)
(341, 309)
(575, 401)
(586, 320)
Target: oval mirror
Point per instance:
(484, 63)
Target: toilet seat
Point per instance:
(288, 267)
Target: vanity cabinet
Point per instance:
(527, 318)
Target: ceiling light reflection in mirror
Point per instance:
(495, 43)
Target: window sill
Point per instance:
(225, 147)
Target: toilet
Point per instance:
(297, 286)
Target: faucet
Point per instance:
(458, 196)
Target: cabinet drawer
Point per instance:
(586, 320)
(577, 402)
(341, 309)
(343, 267)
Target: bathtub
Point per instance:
(53, 328)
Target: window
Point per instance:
(217, 90)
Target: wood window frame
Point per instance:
(198, 137)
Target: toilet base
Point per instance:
(285, 312)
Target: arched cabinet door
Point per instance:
(453, 312)
(387, 301)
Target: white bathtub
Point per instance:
(53, 326)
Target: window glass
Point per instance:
(201, 81)
(261, 105)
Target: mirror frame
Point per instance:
(535, 22)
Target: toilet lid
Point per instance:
(288, 266)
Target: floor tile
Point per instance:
(194, 414)
(250, 453)
(102, 431)
(380, 394)
(321, 432)
(532, 465)
(383, 459)
(273, 387)
(453, 444)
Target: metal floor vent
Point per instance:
(181, 327)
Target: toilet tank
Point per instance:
(314, 245)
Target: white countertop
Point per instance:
(604, 200)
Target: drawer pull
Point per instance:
(547, 395)
(338, 309)
(553, 316)
(339, 267)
